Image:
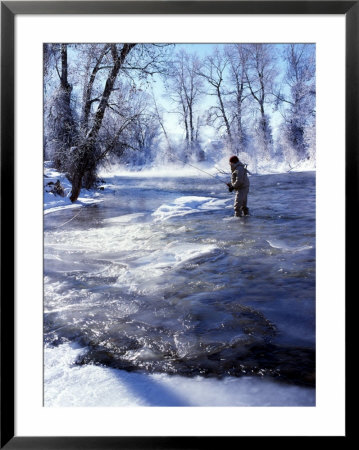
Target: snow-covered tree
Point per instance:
(61, 128)
(184, 86)
(214, 72)
(239, 96)
(261, 73)
(84, 156)
(135, 128)
(297, 100)
(94, 55)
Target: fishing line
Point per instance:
(72, 218)
(188, 164)
(207, 173)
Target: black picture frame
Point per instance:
(9, 9)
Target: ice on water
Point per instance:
(288, 247)
(188, 205)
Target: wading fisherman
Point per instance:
(240, 184)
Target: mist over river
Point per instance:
(159, 279)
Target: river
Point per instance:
(160, 278)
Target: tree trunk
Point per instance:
(76, 186)
(64, 82)
(92, 136)
(186, 128)
(191, 123)
(65, 137)
(240, 143)
(224, 115)
(88, 94)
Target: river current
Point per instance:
(160, 277)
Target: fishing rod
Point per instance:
(201, 170)
(188, 164)
(169, 145)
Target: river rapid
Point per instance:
(159, 277)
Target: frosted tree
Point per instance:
(59, 117)
(261, 74)
(146, 135)
(214, 72)
(297, 99)
(83, 157)
(125, 110)
(133, 129)
(239, 94)
(184, 85)
(94, 54)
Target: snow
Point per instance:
(69, 385)
(54, 203)
(188, 205)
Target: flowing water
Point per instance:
(159, 277)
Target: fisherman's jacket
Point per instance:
(239, 179)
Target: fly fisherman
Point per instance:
(240, 184)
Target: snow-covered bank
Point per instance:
(53, 203)
(69, 385)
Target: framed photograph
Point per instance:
(176, 182)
